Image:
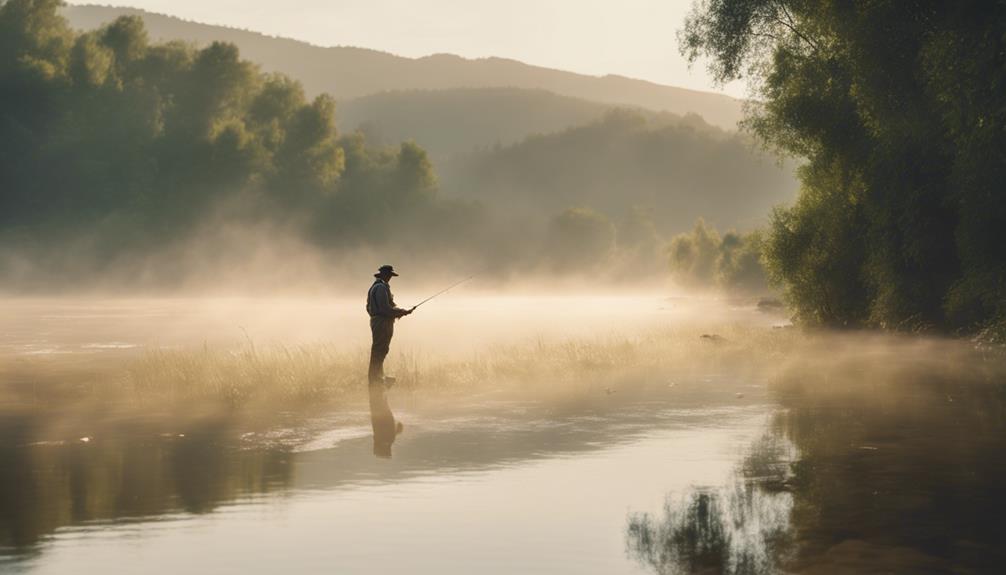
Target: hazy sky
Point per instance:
(635, 38)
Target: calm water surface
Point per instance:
(888, 460)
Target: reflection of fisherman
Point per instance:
(383, 313)
(386, 429)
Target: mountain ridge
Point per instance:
(348, 72)
(452, 121)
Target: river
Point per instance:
(873, 455)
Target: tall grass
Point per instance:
(296, 379)
(280, 376)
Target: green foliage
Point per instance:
(109, 141)
(731, 262)
(899, 108)
(453, 122)
(694, 256)
(678, 168)
(414, 171)
(125, 150)
(310, 159)
(816, 251)
(580, 239)
(440, 100)
(640, 245)
(450, 122)
(740, 264)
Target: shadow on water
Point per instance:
(125, 474)
(44, 487)
(883, 457)
(894, 465)
(129, 472)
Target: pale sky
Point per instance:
(635, 38)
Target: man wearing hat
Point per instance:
(383, 313)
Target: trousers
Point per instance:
(381, 329)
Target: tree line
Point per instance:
(897, 108)
(680, 168)
(131, 145)
(114, 149)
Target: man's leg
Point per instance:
(381, 330)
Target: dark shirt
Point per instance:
(380, 302)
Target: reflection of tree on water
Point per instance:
(901, 464)
(899, 470)
(739, 529)
(690, 540)
(45, 487)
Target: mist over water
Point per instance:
(599, 434)
(634, 375)
(462, 322)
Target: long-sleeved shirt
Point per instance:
(380, 302)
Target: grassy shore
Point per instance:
(282, 377)
(264, 381)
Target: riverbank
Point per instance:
(253, 385)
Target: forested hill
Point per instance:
(677, 171)
(454, 121)
(346, 72)
(127, 162)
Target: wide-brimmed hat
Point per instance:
(385, 269)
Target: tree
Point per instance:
(121, 148)
(310, 160)
(273, 107)
(579, 239)
(898, 108)
(705, 259)
(693, 256)
(740, 269)
(127, 39)
(414, 173)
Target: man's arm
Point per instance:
(385, 305)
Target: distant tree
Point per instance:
(310, 160)
(678, 170)
(414, 172)
(133, 146)
(91, 63)
(705, 259)
(127, 39)
(272, 109)
(579, 239)
(640, 245)
(34, 55)
(740, 268)
(693, 256)
(33, 37)
(216, 90)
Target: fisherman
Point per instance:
(383, 313)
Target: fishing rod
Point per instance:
(445, 290)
